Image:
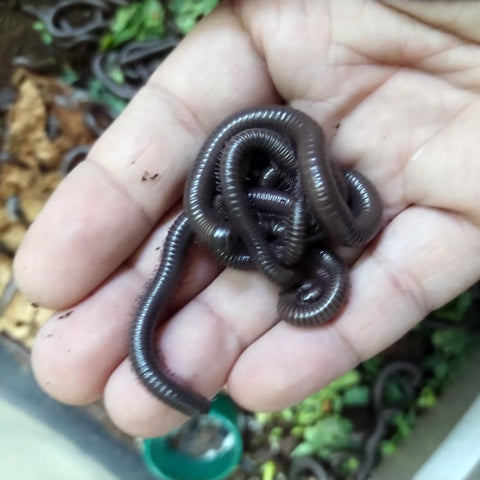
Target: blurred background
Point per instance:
(69, 68)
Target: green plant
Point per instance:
(45, 35)
(187, 13)
(324, 425)
(325, 436)
(137, 21)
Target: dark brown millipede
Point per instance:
(263, 195)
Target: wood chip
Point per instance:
(42, 124)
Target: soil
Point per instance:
(18, 38)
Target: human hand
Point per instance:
(403, 91)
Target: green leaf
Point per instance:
(444, 368)
(69, 75)
(297, 431)
(303, 449)
(327, 401)
(137, 21)
(45, 35)
(349, 466)
(404, 423)
(336, 404)
(187, 13)
(39, 26)
(287, 415)
(116, 74)
(357, 396)
(99, 93)
(387, 448)
(123, 16)
(372, 366)
(457, 308)
(452, 341)
(264, 417)
(348, 380)
(106, 41)
(276, 432)
(395, 394)
(438, 364)
(330, 433)
(268, 470)
(131, 30)
(309, 411)
(427, 398)
(153, 14)
(307, 417)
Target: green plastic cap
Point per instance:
(208, 447)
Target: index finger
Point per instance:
(103, 210)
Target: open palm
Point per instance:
(397, 94)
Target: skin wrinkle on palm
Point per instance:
(396, 85)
